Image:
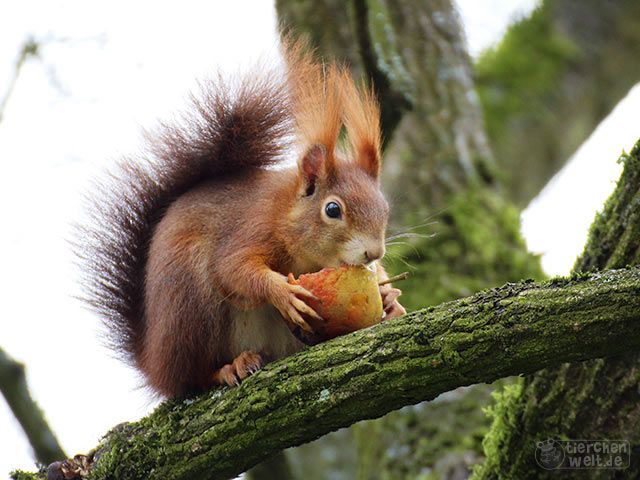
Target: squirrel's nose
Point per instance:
(375, 253)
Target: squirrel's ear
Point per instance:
(369, 160)
(313, 165)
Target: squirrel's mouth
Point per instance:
(371, 265)
(343, 263)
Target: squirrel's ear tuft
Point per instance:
(361, 114)
(369, 159)
(313, 165)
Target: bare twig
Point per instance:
(13, 386)
(30, 48)
(395, 278)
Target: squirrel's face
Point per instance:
(342, 214)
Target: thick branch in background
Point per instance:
(13, 385)
(518, 328)
(551, 80)
(593, 400)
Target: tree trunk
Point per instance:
(463, 234)
(514, 329)
(551, 80)
(445, 434)
(596, 400)
(276, 468)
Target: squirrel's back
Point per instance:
(228, 129)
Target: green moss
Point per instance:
(21, 475)
(503, 421)
(475, 244)
(611, 240)
(523, 71)
(141, 446)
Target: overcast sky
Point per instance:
(105, 71)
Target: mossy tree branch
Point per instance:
(515, 329)
(13, 386)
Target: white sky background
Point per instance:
(109, 69)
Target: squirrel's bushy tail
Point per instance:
(229, 129)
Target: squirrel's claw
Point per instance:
(306, 309)
(295, 318)
(226, 376)
(390, 295)
(245, 364)
(303, 292)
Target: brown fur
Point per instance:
(362, 119)
(189, 246)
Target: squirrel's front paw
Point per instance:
(390, 304)
(285, 297)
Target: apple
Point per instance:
(348, 300)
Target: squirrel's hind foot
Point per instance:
(245, 364)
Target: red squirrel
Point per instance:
(188, 253)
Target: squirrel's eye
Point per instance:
(332, 209)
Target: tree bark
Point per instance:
(13, 385)
(514, 329)
(591, 400)
(551, 80)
